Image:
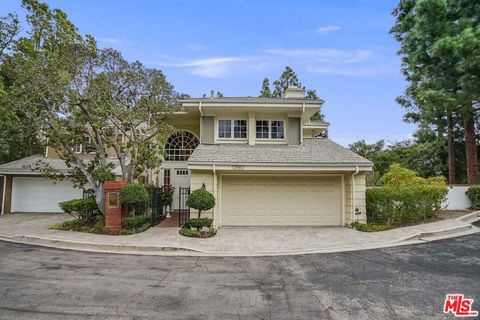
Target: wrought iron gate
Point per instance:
(156, 204)
(183, 209)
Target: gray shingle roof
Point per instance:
(19, 166)
(313, 151)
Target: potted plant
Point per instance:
(167, 197)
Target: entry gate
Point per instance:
(183, 209)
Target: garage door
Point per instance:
(281, 201)
(35, 194)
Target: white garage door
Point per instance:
(35, 194)
(281, 201)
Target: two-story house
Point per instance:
(265, 162)
(263, 159)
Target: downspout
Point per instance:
(353, 192)
(4, 191)
(200, 108)
(214, 189)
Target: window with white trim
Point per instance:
(270, 129)
(84, 147)
(232, 129)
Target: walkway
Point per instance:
(247, 241)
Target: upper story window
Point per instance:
(180, 146)
(232, 129)
(84, 147)
(270, 129)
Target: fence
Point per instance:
(456, 198)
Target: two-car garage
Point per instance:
(38, 194)
(265, 200)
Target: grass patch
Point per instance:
(370, 227)
(187, 232)
(98, 226)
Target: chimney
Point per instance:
(212, 94)
(294, 92)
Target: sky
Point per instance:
(342, 49)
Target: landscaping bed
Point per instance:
(130, 225)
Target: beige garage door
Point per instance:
(281, 201)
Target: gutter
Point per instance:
(353, 192)
(4, 191)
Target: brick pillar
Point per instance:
(114, 211)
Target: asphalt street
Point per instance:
(407, 282)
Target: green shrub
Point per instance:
(133, 222)
(399, 204)
(370, 227)
(167, 195)
(134, 194)
(83, 210)
(474, 194)
(65, 225)
(404, 197)
(199, 223)
(201, 200)
(187, 232)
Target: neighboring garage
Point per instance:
(25, 190)
(281, 200)
(37, 194)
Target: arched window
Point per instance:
(180, 146)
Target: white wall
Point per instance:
(457, 199)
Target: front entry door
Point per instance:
(181, 179)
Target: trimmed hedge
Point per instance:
(83, 210)
(134, 194)
(199, 223)
(474, 194)
(202, 200)
(397, 204)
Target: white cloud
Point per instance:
(215, 67)
(109, 40)
(325, 54)
(327, 29)
(323, 61)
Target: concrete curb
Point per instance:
(421, 237)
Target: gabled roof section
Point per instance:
(20, 167)
(318, 152)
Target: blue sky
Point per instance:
(340, 48)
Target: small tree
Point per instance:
(201, 200)
(134, 195)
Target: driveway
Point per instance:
(248, 241)
(408, 282)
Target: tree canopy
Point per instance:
(76, 96)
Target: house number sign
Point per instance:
(238, 168)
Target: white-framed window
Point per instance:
(182, 172)
(277, 129)
(232, 129)
(270, 129)
(84, 147)
(180, 146)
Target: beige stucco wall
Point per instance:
(198, 177)
(360, 203)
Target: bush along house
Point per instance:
(264, 160)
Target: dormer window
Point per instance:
(270, 129)
(232, 129)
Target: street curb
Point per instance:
(436, 233)
(181, 251)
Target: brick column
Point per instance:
(114, 211)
